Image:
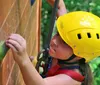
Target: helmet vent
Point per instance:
(97, 36)
(89, 35)
(79, 36)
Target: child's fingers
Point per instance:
(17, 35)
(13, 44)
(17, 38)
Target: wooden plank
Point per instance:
(24, 19)
(7, 66)
(5, 6)
(9, 23)
(19, 80)
(22, 5)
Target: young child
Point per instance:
(65, 48)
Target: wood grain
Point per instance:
(18, 16)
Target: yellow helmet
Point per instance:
(81, 31)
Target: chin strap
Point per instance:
(67, 60)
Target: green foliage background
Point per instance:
(73, 5)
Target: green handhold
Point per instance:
(3, 49)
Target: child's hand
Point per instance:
(51, 2)
(61, 7)
(18, 45)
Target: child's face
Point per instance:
(59, 49)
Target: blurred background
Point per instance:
(72, 5)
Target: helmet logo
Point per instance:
(85, 22)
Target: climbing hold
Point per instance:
(3, 49)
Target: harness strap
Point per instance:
(56, 70)
(70, 67)
(53, 70)
(72, 74)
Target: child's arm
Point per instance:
(18, 46)
(61, 7)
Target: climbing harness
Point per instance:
(56, 70)
(43, 58)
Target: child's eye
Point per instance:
(64, 42)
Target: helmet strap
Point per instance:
(71, 58)
(67, 60)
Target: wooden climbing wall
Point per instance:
(18, 16)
